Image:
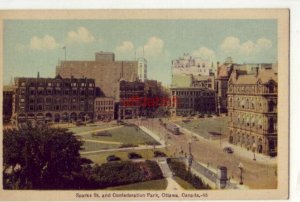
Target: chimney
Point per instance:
(38, 75)
(236, 74)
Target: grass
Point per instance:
(184, 184)
(207, 127)
(149, 185)
(101, 157)
(126, 135)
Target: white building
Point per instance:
(190, 65)
(142, 69)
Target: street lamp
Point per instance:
(254, 148)
(241, 167)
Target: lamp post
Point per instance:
(254, 148)
(241, 167)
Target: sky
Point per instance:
(32, 46)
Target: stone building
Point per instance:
(106, 71)
(8, 93)
(252, 110)
(191, 65)
(191, 101)
(223, 74)
(104, 109)
(131, 94)
(53, 99)
(186, 81)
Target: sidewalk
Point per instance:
(242, 152)
(152, 134)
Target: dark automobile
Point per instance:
(159, 154)
(133, 155)
(228, 150)
(201, 116)
(112, 158)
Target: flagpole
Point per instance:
(65, 49)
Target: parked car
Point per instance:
(201, 116)
(112, 158)
(228, 150)
(133, 155)
(79, 123)
(159, 154)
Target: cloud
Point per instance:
(233, 45)
(205, 53)
(125, 47)
(81, 35)
(153, 49)
(45, 43)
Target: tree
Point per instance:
(40, 157)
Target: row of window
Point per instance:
(104, 108)
(187, 93)
(252, 89)
(58, 92)
(271, 105)
(104, 102)
(58, 84)
(60, 107)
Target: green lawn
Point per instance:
(124, 135)
(101, 157)
(149, 185)
(184, 184)
(207, 127)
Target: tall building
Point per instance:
(191, 65)
(142, 69)
(105, 70)
(53, 99)
(252, 110)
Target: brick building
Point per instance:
(129, 108)
(104, 109)
(252, 110)
(106, 71)
(53, 99)
(189, 101)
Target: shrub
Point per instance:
(179, 170)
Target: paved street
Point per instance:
(256, 174)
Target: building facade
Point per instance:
(142, 69)
(8, 94)
(191, 101)
(252, 111)
(105, 70)
(104, 109)
(130, 95)
(53, 99)
(191, 65)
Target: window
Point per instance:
(31, 108)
